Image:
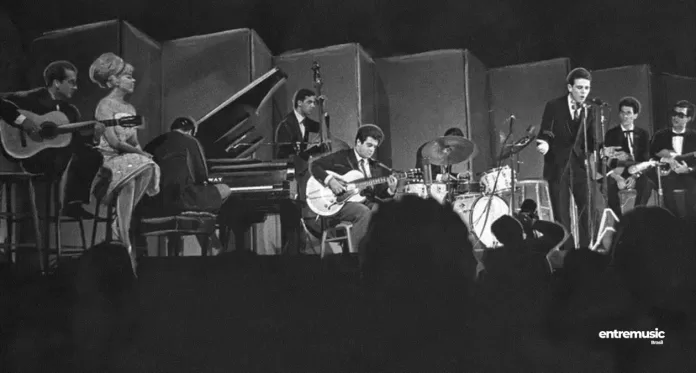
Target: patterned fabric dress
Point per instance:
(119, 168)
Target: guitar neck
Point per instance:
(370, 182)
(80, 125)
(685, 156)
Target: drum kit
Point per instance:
(478, 203)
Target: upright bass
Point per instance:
(330, 144)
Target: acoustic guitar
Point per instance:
(322, 200)
(55, 132)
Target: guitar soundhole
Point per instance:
(49, 130)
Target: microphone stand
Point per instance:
(605, 182)
(590, 192)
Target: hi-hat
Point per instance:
(449, 150)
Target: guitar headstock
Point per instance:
(131, 121)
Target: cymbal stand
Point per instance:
(660, 195)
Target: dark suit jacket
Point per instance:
(288, 130)
(662, 139)
(184, 177)
(343, 161)
(38, 101)
(641, 146)
(566, 147)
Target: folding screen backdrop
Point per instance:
(81, 46)
(348, 83)
(423, 95)
(199, 73)
(522, 91)
(667, 90)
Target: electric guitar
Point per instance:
(634, 170)
(55, 132)
(322, 200)
(667, 168)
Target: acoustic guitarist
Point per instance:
(60, 78)
(367, 139)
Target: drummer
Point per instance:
(442, 173)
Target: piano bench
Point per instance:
(175, 227)
(340, 233)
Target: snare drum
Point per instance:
(479, 212)
(465, 186)
(497, 180)
(438, 191)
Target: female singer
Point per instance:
(128, 172)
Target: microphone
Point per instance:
(597, 101)
(512, 120)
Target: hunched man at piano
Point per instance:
(184, 180)
(367, 139)
(292, 136)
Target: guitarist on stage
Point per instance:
(627, 145)
(668, 145)
(368, 138)
(61, 83)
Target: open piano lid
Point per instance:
(222, 128)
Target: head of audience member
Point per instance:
(629, 108)
(682, 114)
(111, 71)
(304, 102)
(454, 131)
(367, 140)
(185, 125)
(653, 253)
(417, 251)
(508, 231)
(60, 78)
(579, 81)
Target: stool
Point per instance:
(9, 180)
(175, 227)
(336, 231)
(537, 190)
(108, 220)
(53, 217)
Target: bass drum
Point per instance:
(479, 212)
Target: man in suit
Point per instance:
(667, 145)
(358, 158)
(437, 171)
(292, 136)
(562, 142)
(627, 145)
(60, 78)
(184, 181)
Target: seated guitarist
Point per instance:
(676, 146)
(630, 146)
(358, 158)
(61, 83)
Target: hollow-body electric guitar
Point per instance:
(322, 200)
(55, 132)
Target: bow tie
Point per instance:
(629, 131)
(677, 134)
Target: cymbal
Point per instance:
(449, 150)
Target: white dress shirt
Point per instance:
(678, 142)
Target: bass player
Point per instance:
(359, 158)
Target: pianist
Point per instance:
(184, 180)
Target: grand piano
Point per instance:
(230, 137)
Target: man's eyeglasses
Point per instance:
(679, 115)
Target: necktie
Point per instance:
(363, 167)
(629, 140)
(577, 108)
